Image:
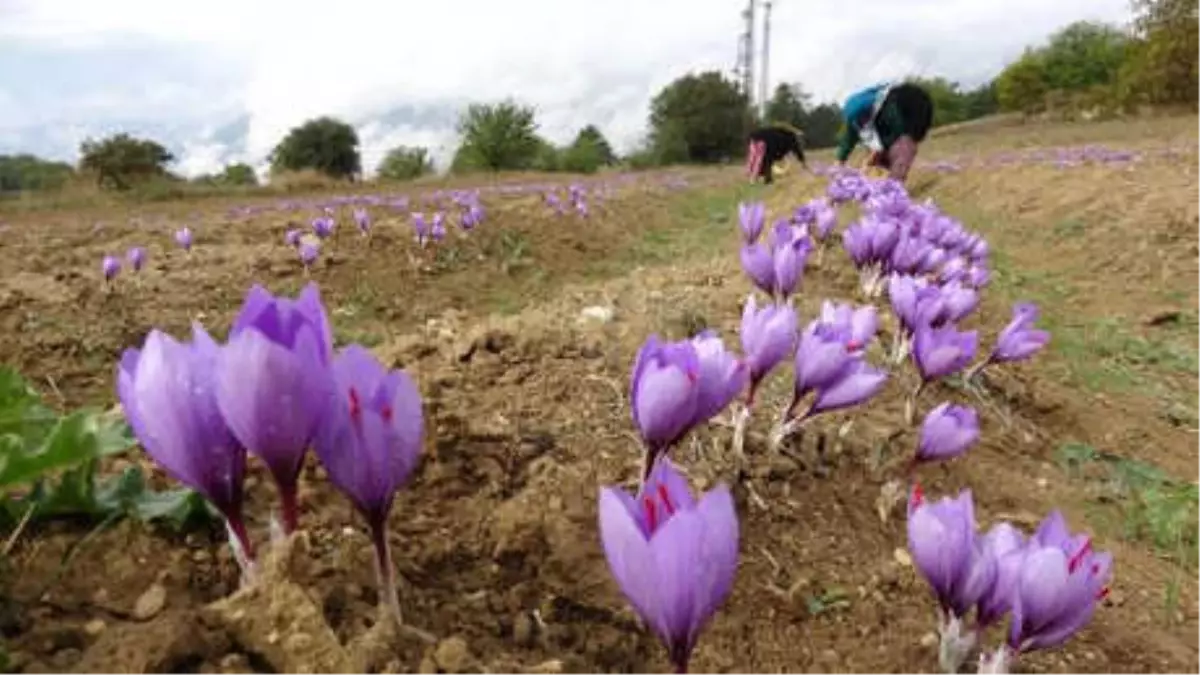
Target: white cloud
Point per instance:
(578, 61)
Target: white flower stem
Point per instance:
(954, 646)
(385, 575)
(741, 418)
(998, 662)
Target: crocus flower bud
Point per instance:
(437, 228)
(363, 220)
(1020, 340)
(274, 384)
(941, 539)
(1005, 544)
(110, 267)
(183, 237)
(323, 226)
(292, 237)
(167, 391)
(137, 258)
(947, 432)
(959, 300)
(751, 218)
(857, 384)
(664, 392)
(768, 336)
(420, 228)
(673, 558)
(856, 325)
(722, 377)
(308, 253)
(759, 265)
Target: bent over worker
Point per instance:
(891, 120)
(770, 144)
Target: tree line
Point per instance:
(700, 117)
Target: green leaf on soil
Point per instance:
(35, 440)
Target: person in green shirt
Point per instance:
(891, 120)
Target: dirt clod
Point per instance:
(150, 603)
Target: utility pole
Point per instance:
(746, 52)
(764, 91)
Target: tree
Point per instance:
(1163, 63)
(120, 159)
(1083, 55)
(789, 104)
(405, 163)
(700, 117)
(1022, 85)
(822, 125)
(324, 144)
(27, 172)
(498, 136)
(980, 101)
(588, 152)
(238, 174)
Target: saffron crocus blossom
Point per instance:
(137, 258)
(958, 568)
(722, 376)
(183, 237)
(674, 558)
(369, 441)
(323, 227)
(1005, 544)
(363, 220)
(751, 218)
(437, 227)
(858, 325)
(292, 237)
(822, 356)
(664, 394)
(947, 432)
(110, 267)
(759, 265)
(1059, 581)
(274, 384)
(768, 337)
(826, 219)
(938, 352)
(420, 229)
(789, 261)
(167, 391)
(958, 300)
(308, 253)
(857, 384)
(1019, 340)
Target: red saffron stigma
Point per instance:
(1103, 593)
(1078, 557)
(651, 523)
(918, 495)
(666, 499)
(386, 413)
(355, 404)
(853, 346)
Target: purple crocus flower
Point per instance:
(789, 261)
(722, 376)
(759, 265)
(369, 441)
(822, 356)
(167, 391)
(1019, 340)
(674, 558)
(292, 237)
(1060, 581)
(826, 220)
(857, 384)
(857, 326)
(137, 258)
(110, 267)
(323, 226)
(308, 253)
(768, 337)
(947, 432)
(751, 218)
(274, 383)
(363, 220)
(664, 394)
(942, 541)
(437, 228)
(959, 300)
(183, 237)
(1005, 544)
(938, 352)
(420, 229)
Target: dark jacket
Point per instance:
(906, 110)
(779, 141)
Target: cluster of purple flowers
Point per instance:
(275, 389)
(675, 558)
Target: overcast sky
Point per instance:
(224, 81)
